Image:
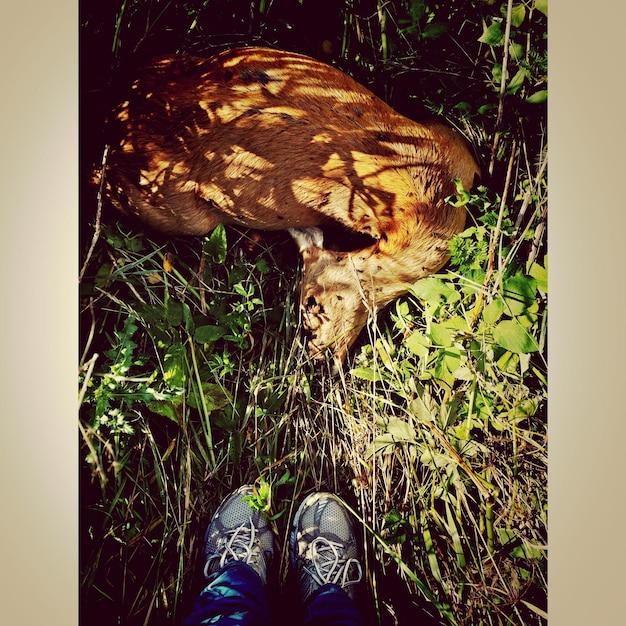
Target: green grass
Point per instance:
(194, 379)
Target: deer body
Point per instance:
(275, 140)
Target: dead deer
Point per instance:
(275, 140)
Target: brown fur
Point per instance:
(275, 140)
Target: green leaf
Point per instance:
(542, 5)
(400, 430)
(383, 444)
(421, 411)
(462, 196)
(215, 397)
(519, 293)
(263, 266)
(516, 51)
(215, 246)
(512, 336)
(451, 359)
(209, 333)
(496, 73)
(508, 362)
(457, 323)
(174, 312)
(431, 551)
(418, 343)
(492, 35)
(538, 97)
(397, 432)
(540, 274)
(167, 408)
(103, 275)
(174, 370)
(518, 13)
(493, 311)
(366, 373)
(517, 81)
(434, 30)
(440, 334)
(432, 290)
(188, 318)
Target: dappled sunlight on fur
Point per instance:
(275, 140)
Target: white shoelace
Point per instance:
(240, 545)
(329, 566)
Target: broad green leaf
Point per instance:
(492, 35)
(457, 323)
(530, 316)
(174, 312)
(464, 373)
(447, 363)
(538, 97)
(512, 336)
(518, 13)
(508, 362)
(209, 334)
(440, 334)
(215, 246)
(383, 444)
(263, 266)
(103, 275)
(167, 408)
(174, 370)
(516, 51)
(496, 73)
(462, 196)
(432, 290)
(215, 397)
(519, 293)
(400, 430)
(420, 410)
(525, 408)
(418, 343)
(540, 274)
(451, 359)
(542, 5)
(517, 81)
(431, 458)
(493, 311)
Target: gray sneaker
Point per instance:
(237, 532)
(323, 547)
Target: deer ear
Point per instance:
(307, 238)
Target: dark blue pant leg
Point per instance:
(330, 605)
(234, 596)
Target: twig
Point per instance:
(534, 249)
(519, 237)
(83, 388)
(96, 232)
(92, 330)
(495, 236)
(505, 62)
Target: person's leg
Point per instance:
(235, 596)
(330, 605)
(238, 549)
(324, 553)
